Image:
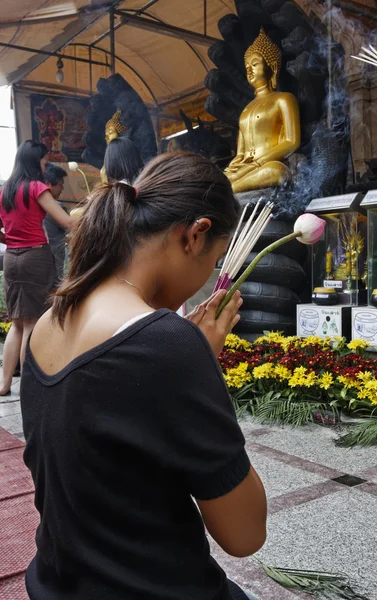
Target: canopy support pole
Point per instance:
(112, 40)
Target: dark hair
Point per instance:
(122, 160)
(27, 168)
(173, 189)
(54, 174)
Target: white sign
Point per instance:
(333, 283)
(370, 199)
(321, 321)
(343, 202)
(364, 324)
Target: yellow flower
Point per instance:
(300, 371)
(260, 340)
(283, 372)
(311, 340)
(266, 371)
(238, 376)
(326, 380)
(356, 344)
(310, 379)
(365, 376)
(272, 337)
(371, 387)
(349, 382)
(301, 376)
(363, 393)
(289, 341)
(233, 342)
(5, 327)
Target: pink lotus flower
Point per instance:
(310, 228)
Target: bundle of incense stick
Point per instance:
(368, 55)
(242, 244)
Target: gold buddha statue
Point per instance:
(269, 126)
(114, 128)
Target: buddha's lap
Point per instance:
(270, 168)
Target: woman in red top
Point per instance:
(29, 269)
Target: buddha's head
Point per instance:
(114, 128)
(263, 62)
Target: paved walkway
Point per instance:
(316, 521)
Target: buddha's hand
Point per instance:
(251, 162)
(216, 330)
(234, 164)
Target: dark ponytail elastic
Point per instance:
(132, 193)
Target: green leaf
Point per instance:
(363, 434)
(331, 586)
(272, 408)
(243, 390)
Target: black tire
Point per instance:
(257, 321)
(269, 298)
(274, 231)
(278, 270)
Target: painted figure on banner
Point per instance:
(50, 121)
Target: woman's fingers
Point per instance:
(213, 303)
(216, 330)
(234, 322)
(196, 315)
(230, 311)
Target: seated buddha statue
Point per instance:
(114, 129)
(269, 126)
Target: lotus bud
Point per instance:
(310, 227)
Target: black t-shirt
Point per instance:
(118, 443)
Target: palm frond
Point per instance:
(364, 434)
(332, 586)
(286, 411)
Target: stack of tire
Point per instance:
(273, 290)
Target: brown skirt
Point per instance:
(29, 277)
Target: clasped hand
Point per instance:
(216, 330)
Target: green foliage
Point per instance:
(281, 407)
(363, 434)
(274, 408)
(330, 586)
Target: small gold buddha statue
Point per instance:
(114, 129)
(269, 126)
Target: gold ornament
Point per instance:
(114, 128)
(269, 51)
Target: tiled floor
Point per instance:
(314, 522)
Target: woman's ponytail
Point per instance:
(173, 189)
(100, 241)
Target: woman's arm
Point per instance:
(2, 234)
(56, 212)
(237, 521)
